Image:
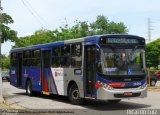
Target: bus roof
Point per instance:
(85, 39)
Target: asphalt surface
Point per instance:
(18, 96)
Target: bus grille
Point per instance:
(126, 87)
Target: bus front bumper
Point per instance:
(105, 94)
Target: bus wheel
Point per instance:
(74, 95)
(29, 91)
(114, 101)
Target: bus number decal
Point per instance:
(137, 83)
(13, 72)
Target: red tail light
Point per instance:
(98, 85)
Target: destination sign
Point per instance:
(122, 40)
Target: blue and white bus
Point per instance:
(102, 67)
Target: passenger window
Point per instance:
(32, 58)
(76, 49)
(13, 59)
(65, 50)
(36, 56)
(56, 57)
(27, 54)
(13, 55)
(55, 61)
(65, 56)
(76, 55)
(56, 51)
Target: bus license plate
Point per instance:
(127, 93)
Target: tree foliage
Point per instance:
(79, 29)
(7, 32)
(5, 62)
(153, 53)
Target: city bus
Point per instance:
(107, 67)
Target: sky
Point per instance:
(31, 15)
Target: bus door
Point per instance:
(89, 70)
(46, 65)
(19, 70)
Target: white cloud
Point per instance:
(6, 47)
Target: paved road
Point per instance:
(18, 96)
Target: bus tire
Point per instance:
(73, 95)
(29, 91)
(114, 101)
(8, 80)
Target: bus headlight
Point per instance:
(107, 86)
(143, 86)
(103, 85)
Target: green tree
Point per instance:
(39, 37)
(153, 53)
(79, 29)
(5, 62)
(103, 26)
(7, 32)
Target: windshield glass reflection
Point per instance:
(121, 61)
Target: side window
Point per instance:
(13, 59)
(27, 54)
(27, 61)
(36, 54)
(56, 51)
(56, 57)
(65, 56)
(76, 55)
(36, 58)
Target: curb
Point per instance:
(9, 105)
(155, 87)
(2, 101)
(13, 105)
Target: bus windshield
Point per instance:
(122, 61)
